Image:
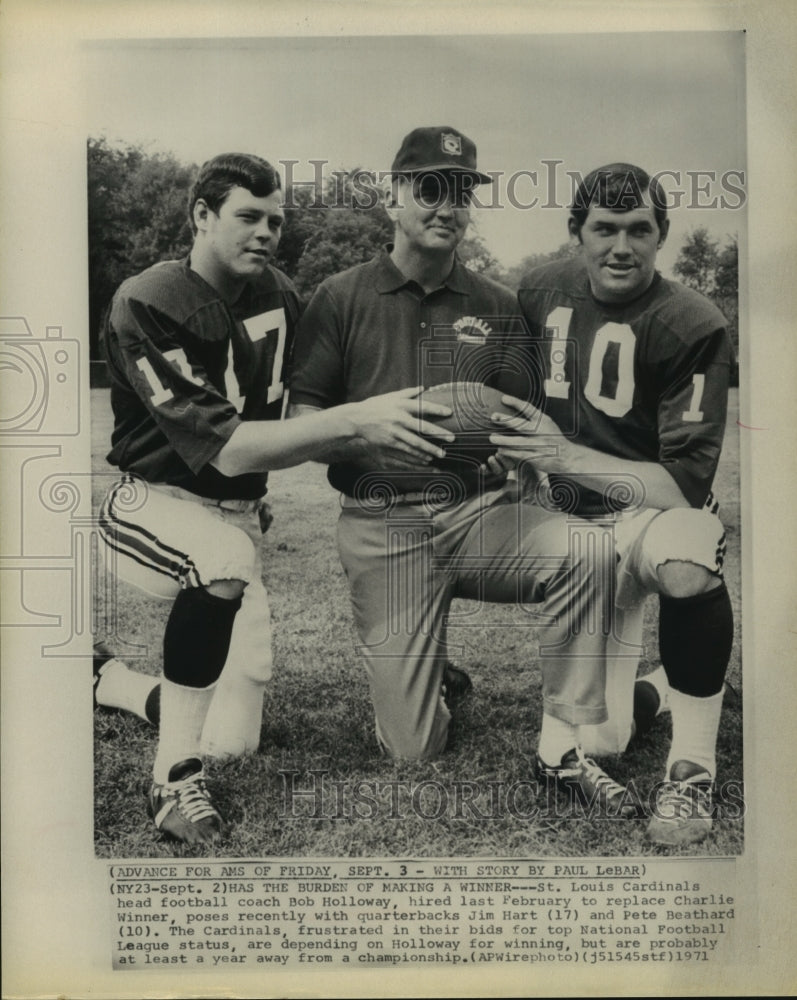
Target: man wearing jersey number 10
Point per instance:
(410, 540)
(196, 351)
(647, 362)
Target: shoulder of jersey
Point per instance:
(170, 286)
(273, 278)
(167, 286)
(679, 306)
(567, 275)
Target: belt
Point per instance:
(389, 501)
(236, 506)
(426, 497)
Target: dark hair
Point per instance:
(620, 187)
(218, 176)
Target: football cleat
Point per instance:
(101, 656)
(587, 783)
(182, 808)
(684, 808)
(456, 685)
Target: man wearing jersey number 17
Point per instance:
(646, 363)
(196, 351)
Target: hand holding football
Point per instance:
(472, 405)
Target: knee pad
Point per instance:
(197, 637)
(695, 640)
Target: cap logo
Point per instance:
(451, 144)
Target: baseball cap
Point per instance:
(437, 147)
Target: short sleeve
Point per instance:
(155, 354)
(692, 413)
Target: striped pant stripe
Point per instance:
(142, 546)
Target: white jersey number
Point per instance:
(621, 335)
(271, 324)
(162, 393)
(694, 415)
(556, 387)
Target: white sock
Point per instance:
(183, 711)
(235, 716)
(695, 724)
(556, 738)
(659, 681)
(121, 687)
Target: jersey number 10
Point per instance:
(621, 338)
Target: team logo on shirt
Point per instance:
(451, 144)
(472, 330)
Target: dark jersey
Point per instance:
(645, 380)
(186, 368)
(370, 330)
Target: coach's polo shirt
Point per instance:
(370, 330)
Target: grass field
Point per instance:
(478, 799)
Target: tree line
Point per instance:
(137, 215)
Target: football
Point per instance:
(472, 405)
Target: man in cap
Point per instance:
(411, 537)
